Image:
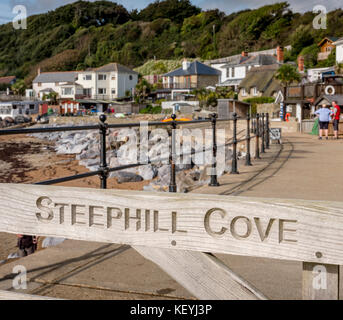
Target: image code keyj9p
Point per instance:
(184, 151)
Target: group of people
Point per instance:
(325, 116)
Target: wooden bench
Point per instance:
(179, 232)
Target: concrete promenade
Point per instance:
(302, 167)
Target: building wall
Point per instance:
(205, 81)
(43, 86)
(124, 84)
(327, 47)
(339, 53)
(249, 94)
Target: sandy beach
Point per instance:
(28, 160)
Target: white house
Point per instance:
(106, 83)
(63, 83)
(18, 108)
(316, 74)
(339, 50)
(234, 69)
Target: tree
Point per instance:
(177, 9)
(52, 97)
(19, 88)
(287, 74)
(210, 98)
(142, 91)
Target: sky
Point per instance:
(228, 6)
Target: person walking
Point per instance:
(336, 113)
(324, 118)
(27, 245)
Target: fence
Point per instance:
(177, 230)
(104, 171)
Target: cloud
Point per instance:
(230, 6)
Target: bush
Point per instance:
(151, 110)
(259, 100)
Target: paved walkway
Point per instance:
(302, 167)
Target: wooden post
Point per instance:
(103, 162)
(172, 158)
(320, 281)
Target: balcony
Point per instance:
(311, 91)
(171, 86)
(95, 97)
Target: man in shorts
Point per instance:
(324, 118)
(336, 113)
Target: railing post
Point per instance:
(263, 134)
(172, 186)
(267, 132)
(214, 180)
(257, 144)
(234, 153)
(248, 157)
(103, 162)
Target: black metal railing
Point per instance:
(260, 128)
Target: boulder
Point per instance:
(125, 176)
(147, 172)
(164, 175)
(9, 120)
(19, 119)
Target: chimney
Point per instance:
(301, 64)
(245, 53)
(185, 64)
(38, 71)
(279, 54)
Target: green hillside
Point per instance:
(90, 34)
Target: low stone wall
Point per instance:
(287, 127)
(272, 108)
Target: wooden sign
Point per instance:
(298, 230)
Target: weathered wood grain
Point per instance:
(320, 281)
(202, 274)
(297, 230)
(8, 295)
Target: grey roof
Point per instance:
(115, 67)
(51, 77)
(329, 98)
(263, 79)
(339, 40)
(233, 82)
(47, 90)
(261, 59)
(195, 68)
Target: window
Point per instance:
(32, 106)
(87, 77)
(113, 78)
(102, 77)
(254, 91)
(102, 91)
(57, 83)
(39, 84)
(130, 77)
(244, 93)
(113, 91)
(227, 72)
(233, 73)
(67, 91)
